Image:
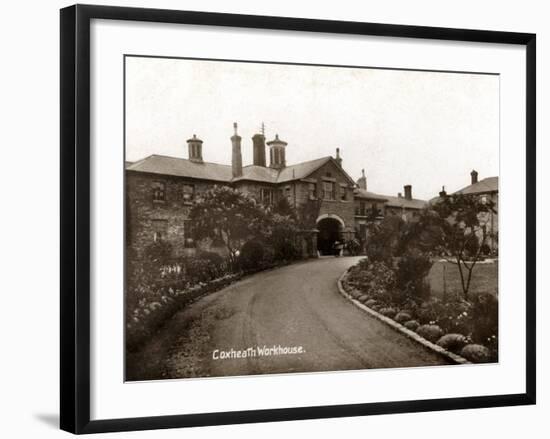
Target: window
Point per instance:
(288, 194)
(328, 190)
(312, 190)
(159, 230)
(266, 196)
(374, 210)
(159, 192)
(360, 210)
(343, 192)
(188, 193)
(188, 240)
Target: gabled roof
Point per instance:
(366, 195)
(405, 203)
(489, 184)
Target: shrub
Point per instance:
(363, 298)
(452, 342)
(376, 279)
(430, 332)
(371, 302)
(411, 325)
(158, 252)
(476, 353)
(388, 311)
(402, 317)
(251, 256)
(412, 270)
(484, 316)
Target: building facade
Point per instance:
(161, 190)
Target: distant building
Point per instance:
(485, 190)
(161, 190)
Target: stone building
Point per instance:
(161, 190)
(485, 190)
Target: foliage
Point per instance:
(476, 353)
(411, 273)
(462, 221)
(402, 317)
(283, 234)
(430, 332)
(158, 252)
(376, 279)
(452, 342)
(228, 215)
(383, 242)
(485, 314)
(251, 255)
(411, 325)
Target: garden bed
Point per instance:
(468, 329)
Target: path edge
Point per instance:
(398, 327)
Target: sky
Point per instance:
(426, 129)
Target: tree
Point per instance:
(384, 238)
(463, 221)
(230, 216)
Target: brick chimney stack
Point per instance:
(236, 158)
(338, 158)
(473, 174)
(442, 194)
(408, 191)
(258, 149)
(362, 182)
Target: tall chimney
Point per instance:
(338, 158)
(442, 194)
(473, 174)
(236, 158)
(408, 191)
(362, 182)
(194, 146)
(258, 149)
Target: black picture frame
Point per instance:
(75, 217)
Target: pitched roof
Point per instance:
(179, 167)
(301, 170)
(159, 164)
(489, 184)
(362, 193)
(403, 202)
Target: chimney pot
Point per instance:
(362, 181)
(442, 194)
(474, 174)
(338, 158)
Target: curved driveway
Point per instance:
(293, 306)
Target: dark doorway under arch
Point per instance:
(329, 233)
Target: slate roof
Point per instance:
(179, 167)
(366, 195)
(489, 184)
(403, 202)
(159, 164)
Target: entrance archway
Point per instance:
(330, 231)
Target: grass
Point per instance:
(484, 279)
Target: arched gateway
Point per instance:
(331, 228)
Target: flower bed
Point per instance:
(466, 328)
(152, 300)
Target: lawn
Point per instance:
(484, 279)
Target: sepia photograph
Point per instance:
(296, 218)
